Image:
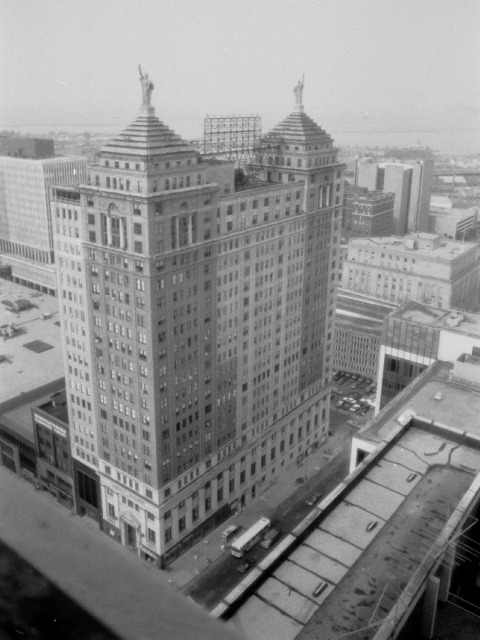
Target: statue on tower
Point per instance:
(298, 90)
(147, 87)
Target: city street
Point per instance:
(221, 575)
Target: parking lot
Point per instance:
(353, 393)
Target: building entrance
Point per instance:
(130, 536)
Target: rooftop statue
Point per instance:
(298, 90)
(147, 87)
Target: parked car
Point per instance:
(371, 525)
(340, 404)
(354, 408)
(337, 375)
(320, 588)
(313, 499)
(340, 381)
(270, 539)
(246, 565)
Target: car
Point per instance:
(353, 385)
(368, 381)
(347, 375)
(354, 408)
(355, 377)
(246, 565)
(340, 404)
(320, 588)
(313, 499)
(337, 375)
(340, 381)
(371, 525)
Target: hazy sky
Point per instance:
(368, 64)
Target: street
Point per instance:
(218, 579)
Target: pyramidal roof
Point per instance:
(299, 128)
(146, 136)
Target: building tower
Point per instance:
(208, 322)
(28, 170)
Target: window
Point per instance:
(137, 228)
(138, 246)
(111, 510)
(151, 536)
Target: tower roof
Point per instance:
(146, 136)
(298, 128)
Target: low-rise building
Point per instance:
(417, 335)
(372, 214)
(421, 267)
(453, 223)
(358, 333)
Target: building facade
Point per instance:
(198, 372)
(410, 181)
(416, 336)
(358, 333)
(425, 268)
(26, 233)
(372, 214)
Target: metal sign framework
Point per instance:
(232, 137)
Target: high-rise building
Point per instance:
(26, 234)
(421, 267)
(198, 325)
(410, 181)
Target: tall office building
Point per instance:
(26, 235)
(199, 356)
(410, 181)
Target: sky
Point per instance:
(369, 65)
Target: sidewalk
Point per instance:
(193, 561)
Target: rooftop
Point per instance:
(421, 244)
(374, 538)
(461, 321)
(31, 347)
(147, 136)
(359, 313)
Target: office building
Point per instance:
(25, 147)
(459, 224)
(198, 325)
(358, 333)
(417, 335)
(411, 183)
(372, 214)
(26, 235)
(421, 267)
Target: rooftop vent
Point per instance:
(438, 395)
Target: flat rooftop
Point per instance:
(32, 356)
(448, 249)
(464, 322)
(359, 313)
(410, 492)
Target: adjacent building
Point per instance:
(198, 325)
(454, 223)
(397, 538)
(417, 335)
(372, 214)
(421, 267)
(411, 183)
(358, 333)
(26, 233)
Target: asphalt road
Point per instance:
(217, 580)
